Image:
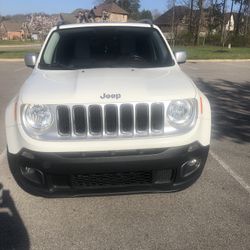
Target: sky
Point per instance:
(10, 7)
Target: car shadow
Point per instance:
(13, 234)
(230, 104)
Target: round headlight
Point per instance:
(180, 113)
(38, 117)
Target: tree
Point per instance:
(191, 16)
(215, 16)
(223, 29)
(156, 13)
(199, 21)
(132, 7)
(247, 11)
(146, 14)
(238, 22)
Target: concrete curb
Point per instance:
(11, 60)
(220, 60)
(21, 46)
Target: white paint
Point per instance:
(75, 86)
(230, 171)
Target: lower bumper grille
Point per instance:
(111, 179)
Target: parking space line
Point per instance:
(230, 171)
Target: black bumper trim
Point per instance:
(68, 164)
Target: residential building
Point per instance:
(11, 30)
(174, 20)
(109, 12)
(67, 18)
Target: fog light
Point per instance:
(190, 167)
(192, 163)
(34, 175)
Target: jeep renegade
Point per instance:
(107, 110)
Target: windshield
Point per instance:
(103, 47)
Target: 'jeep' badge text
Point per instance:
(111, 96)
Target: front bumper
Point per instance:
(133, 171)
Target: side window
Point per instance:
(50, 49)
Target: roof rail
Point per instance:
(59, 23)
(148, 21)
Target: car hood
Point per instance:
(116, 85)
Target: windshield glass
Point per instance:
(102, 47)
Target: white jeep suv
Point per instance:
(107, 110)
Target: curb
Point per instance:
(219, 60)
(11, 60)
(21, 46)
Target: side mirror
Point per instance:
(30, 59)
(180, 56)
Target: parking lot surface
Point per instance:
(214, 213)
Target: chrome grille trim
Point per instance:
(149, 117)
(119, 132)
(165, 129)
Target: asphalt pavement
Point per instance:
(214, 213)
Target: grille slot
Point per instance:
(95, 119)
(111, 120)
(127, 118)
(111, 179)
(157, 116)
(142, 117)
(80, 120)
(63, 114)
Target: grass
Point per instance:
(14, 54)
(214, 52)
(17, 42)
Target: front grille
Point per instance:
(95, 119)
(140, 119)
(111, 179)
(80, 120)
(64, 122)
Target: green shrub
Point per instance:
(185, 39)
(214, 40)
(240, 41)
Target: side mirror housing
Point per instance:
(30, 59)
(180, 56)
